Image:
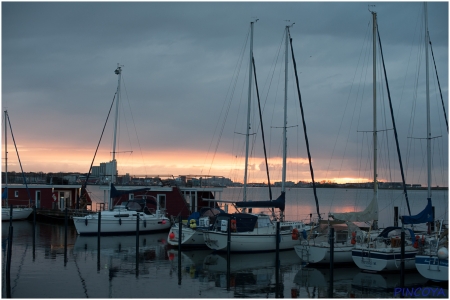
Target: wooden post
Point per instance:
(180, 234)
(34, 232)
(432, 222)
(228, 253)
(330, 288)
(66, 222)
(396, 216)
(277, 260)
(8, 262)
(99, 226)
(402, 258)
(137, 244)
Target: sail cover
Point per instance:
(5, 193)
(367, 215)
(424, 216)
(115, 193)
(278, 203)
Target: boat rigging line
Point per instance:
(439, 84)
(96, 150)
(304, 126)
(262, 134)
(393, 124)
(262, 130)
(18, 157)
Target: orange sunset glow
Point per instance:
(165, 163)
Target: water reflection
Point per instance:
(152, 266)
(319, 279)
(119, 254)
(383, 285)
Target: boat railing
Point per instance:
(159, 212)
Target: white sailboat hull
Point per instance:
(254, 241)
(432, 268)
(382, 260)
(189, 237)
(17, 214)
(320, 253)
(111, 224)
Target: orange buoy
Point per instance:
(353, 241)
(172, 235)
(295, 234)
(233, 225)
(416, 243)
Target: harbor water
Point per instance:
(45, 268)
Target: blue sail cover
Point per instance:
(5, 193)
(424, 216)
(278, 203)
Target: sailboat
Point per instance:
(384, 253)
(11, 213)
(191, 233)
(316, 251)
(433, 263)
(256, 232)
(128, 217)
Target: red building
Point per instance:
(51, 200)
(45, 196)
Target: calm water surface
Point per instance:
(48, 270)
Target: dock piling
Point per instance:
(8, 261)
(180, 233)
(137, 244)
(66, 223)
(396, 216)
(330, 289)
(277, 260)
(34, 232)
(402, 262)
(99, 226)
(228, 253)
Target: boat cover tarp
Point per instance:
(424, 216)
(278, 203)
(114, 193)
(244, 222)
(387, 230)
(204, 212)
(367, 215)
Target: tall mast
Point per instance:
(247, 136)
(6, 159)
(428, 104)
(375, 140)
(283, 171)
(118, 72)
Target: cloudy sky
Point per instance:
(185, 85)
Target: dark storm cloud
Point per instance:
(179, 57)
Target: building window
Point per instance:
(162, 201)
(16, 194)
